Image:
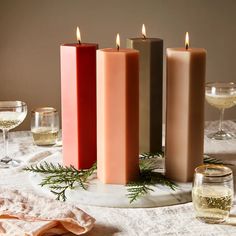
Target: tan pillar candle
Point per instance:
(117, 115)
(185, 111)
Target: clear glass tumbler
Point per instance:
(212, 193)
(45, 126)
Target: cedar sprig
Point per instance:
(59, 178)
(212, 160)
(137, 190)
(144, 185)
(207, 158)
(149, 155)
(148, 179)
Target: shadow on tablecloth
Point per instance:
(101, 230)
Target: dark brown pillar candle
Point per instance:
(150, 91)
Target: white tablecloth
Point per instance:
(172, 220)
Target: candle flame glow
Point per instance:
(118, 41)
(78, 35)
(143, 31)
(187, 41)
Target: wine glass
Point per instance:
(221, 95)
(12, 113)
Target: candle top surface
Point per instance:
(189, 50)
(121, 50)
(79, 44)
(142, 39)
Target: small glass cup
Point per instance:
(45, 126)
(212, 193)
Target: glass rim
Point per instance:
(44, 110)
(202, 170)
(22, 104)
(218, 84)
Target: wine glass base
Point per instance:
(9, 163)
(221, 135)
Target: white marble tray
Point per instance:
(107, 195)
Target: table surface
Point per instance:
(171, 220)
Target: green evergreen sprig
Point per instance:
(59, 179)
(211, 160)
(148, 179)
(149, 155)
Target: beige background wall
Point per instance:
(32, 30)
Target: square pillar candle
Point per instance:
(78, 99)
(117, 115)
(185, 111)
(150, 91)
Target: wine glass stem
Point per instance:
(5, 141)
(221, 119)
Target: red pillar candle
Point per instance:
(78, 98)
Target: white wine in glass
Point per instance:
(221, 95)
(45, 126)
(12, 114)
(213, 193)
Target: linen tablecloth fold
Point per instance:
(26, 214)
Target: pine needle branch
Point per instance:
(59, 178)
(148, 155)
(149, 178)
(136, 191)
(212, 160)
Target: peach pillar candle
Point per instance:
(185, 111)
(117, 115)
(78, 99)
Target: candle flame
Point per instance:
(78, 35)
(118, 41)
(186, 40)
(143, 31)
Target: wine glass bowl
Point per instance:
(12, 114)
(221, 95)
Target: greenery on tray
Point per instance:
(148, 179)
(211, 160)
(59, 178)
(149, 155)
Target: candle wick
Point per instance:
(79, 41)
(144, 36)
(117, 47)
(186, 46)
